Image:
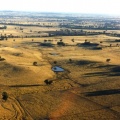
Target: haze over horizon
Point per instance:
(111, 7)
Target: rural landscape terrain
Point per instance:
(56, 66)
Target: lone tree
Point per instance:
(4, 96)
(55, 62)
(2, 59)
(48, 82)
(117, 45)
(45, 41)
(61, 40)
(61, 43)
(70, 60)
(35, 63)
(85, 40)
(73, 40)
(108, 60)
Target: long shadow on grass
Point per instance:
(26, 85)
(102, 74)
(85, 62)
(114, 71)
(103, 92)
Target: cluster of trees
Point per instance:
(104, 27)
(5, 37)
(115, 35)
(3, 27)
(69, 32)
(25, 25)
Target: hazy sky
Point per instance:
(78, 6)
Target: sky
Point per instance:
(67, 6)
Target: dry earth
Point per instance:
(89, 89)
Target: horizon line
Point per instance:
(106, 14)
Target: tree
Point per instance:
(5, 27)
(117, 45)
(55, 62)
(73, 40)
(81, 30)
(4, 96)
(61, 43)
(70, 60)
(48, 82)
(61, 40)
(108, 60)
(85, 40)
(35, 63)
(45, 40)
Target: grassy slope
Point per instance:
(80, 94)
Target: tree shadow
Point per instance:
(108, 74)
(26, 85)
(85, 62)
(2, 59)
(112, 71)
(103, 92)
(106, 66)
(96, 74)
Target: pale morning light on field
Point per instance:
(75, 6)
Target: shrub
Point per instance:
(35, 63)
(70, 60)
(108, 60)
(61, 43)
(46, 44)
(48, 82)
(4, 96)
(85, 40)
(117, 45)
(72, 40)
(60, 40)
(45, 40)
(2, 59)
(55, 62)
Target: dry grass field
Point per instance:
(88, 89)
